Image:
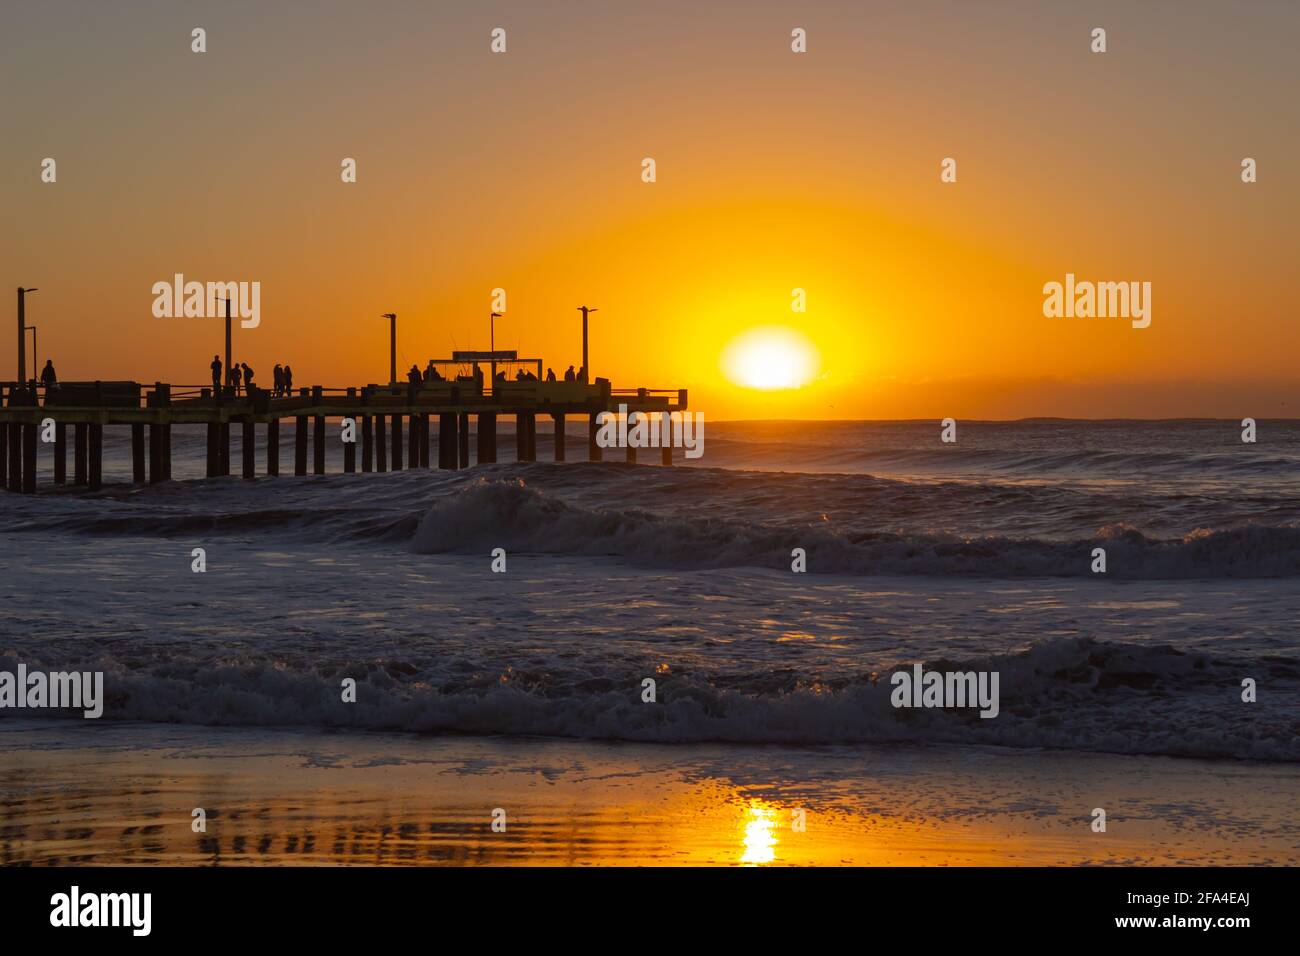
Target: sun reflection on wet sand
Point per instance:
(282, 798)
(759, 841)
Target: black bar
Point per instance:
(917, 910)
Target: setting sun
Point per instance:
(770, 357)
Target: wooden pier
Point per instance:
(394, 424)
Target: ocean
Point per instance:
(975, 555)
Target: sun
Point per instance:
(769, 358)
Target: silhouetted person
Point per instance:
(413, 376)
(48, 378)
(582, 374)
(234, 378)
(216, 375)
(519, 375)
(478, 377)
(277, 380)
(248, 377)
(288, 379)
(500, 376)
(569, 376)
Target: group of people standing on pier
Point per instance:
(431, 374)
(241, 376)
(524, 375)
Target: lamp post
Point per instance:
(229, 370)
(492, 345)
(392, 346)
(36, 362)
(22, 334)
(586, 369)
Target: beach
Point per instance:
(125, 795)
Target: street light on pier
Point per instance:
(22, 333)
(392, 346)
(36, 362)
(230, 372)
(586, 369)
(492, 345)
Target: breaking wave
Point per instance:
(486, 514)
(1067, 693)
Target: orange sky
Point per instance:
(775, 171)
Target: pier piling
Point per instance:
(367, 444)
(594, 451)
(14, 440)
(559, 436)
(487, 438)
(462, 440)
(448, 453)
(350, 448)
(381, 444)
(29, 459)
(80, 440)
(96, 449)
(397, 443)
(273, 447)
(250, 448)
(155, 453)
(161, 398)
(60, 453)
(137, 452)
(223, 447)
(300, 445)
(526, 436)
(318, 445)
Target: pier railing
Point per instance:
(511, 396)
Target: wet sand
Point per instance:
(77, 793)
